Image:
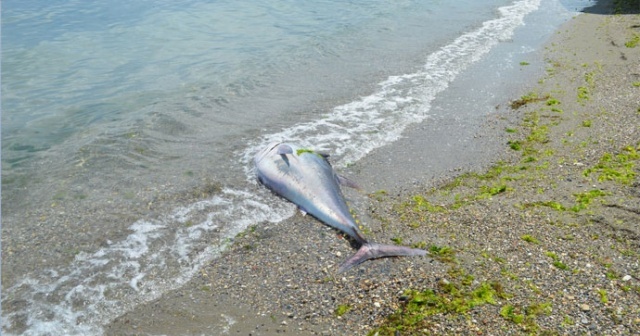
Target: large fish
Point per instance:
(306, 178)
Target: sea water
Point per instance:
(128, 127)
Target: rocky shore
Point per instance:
(544, 240)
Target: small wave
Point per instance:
(353, 130)
(157, 256)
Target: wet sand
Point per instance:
(521, 226)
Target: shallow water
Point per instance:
(128, 129)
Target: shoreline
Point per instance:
(509, 226)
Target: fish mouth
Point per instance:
(265, 151)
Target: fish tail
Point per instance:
(373, 251)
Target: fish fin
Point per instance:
(347, 182)
(373, 251)
(284, 149)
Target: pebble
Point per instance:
(585, 307)
(626, 278)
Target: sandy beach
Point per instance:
(535, 231)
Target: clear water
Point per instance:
(128, 128)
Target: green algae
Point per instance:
(342, 309)
(619, 168)
(633, 41)
(442, 253)
(421, 204)
(530, 239)
(526, 317)
(527, 99)
(304, 150)
(515, 145)
(582, 202)
(449, 298)
(583, 94)
(556, 261)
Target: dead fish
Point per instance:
(306, 178)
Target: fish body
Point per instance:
(306, 178)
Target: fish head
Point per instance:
(272, 163)
(273, 158)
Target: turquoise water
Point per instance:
(115, 114)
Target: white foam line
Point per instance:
(164, 253)
(353, 130)
(159, 255)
